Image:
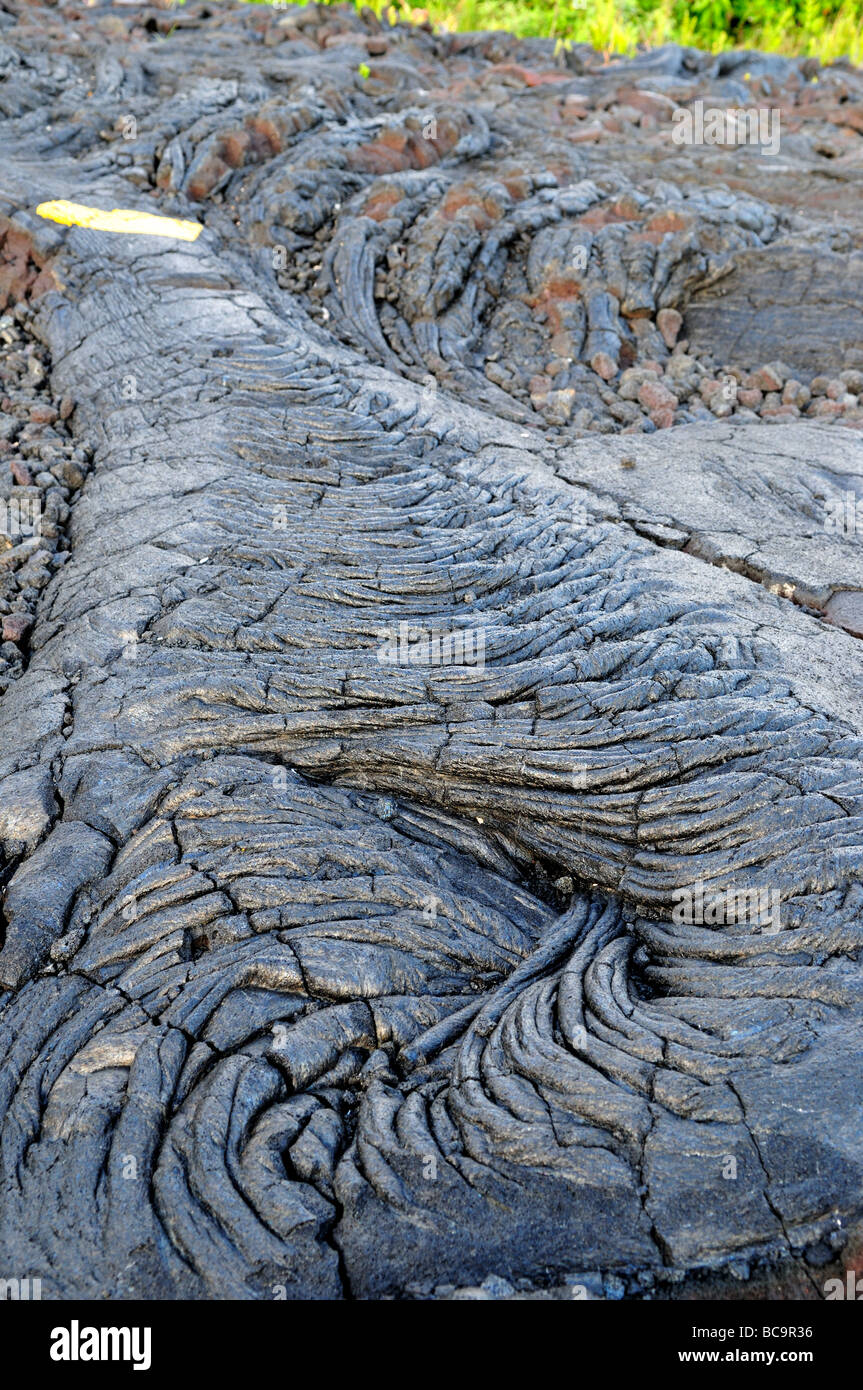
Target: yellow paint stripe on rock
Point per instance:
(119, 220)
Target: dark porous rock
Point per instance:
(805, 303)
(430, 823)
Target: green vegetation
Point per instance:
(825, 29)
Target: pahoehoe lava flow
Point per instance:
(330, 965)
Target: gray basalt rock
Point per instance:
(378, 723)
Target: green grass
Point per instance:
(825, 29)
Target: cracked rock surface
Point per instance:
(332, 967)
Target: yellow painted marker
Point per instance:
(119, 220)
